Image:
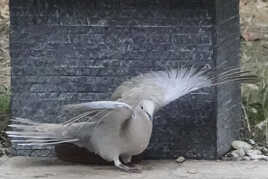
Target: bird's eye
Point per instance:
(142, 107)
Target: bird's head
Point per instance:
(147, 107)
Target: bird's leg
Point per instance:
(126, 159)
(125, 168)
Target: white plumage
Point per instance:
(122, 127)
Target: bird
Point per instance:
(121, 128)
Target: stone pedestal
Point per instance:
(70, 51)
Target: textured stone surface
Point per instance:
(32, 168)
(237, 144)
(226, 53)
(69, 51)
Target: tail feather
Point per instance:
(34, 140)
(24, 121)
(26, 132)
(25, 136)
(21, 126)
(232, 76)
(172, 84)
(43, 142)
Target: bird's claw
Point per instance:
(129, 169)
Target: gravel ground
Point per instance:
(27, 168)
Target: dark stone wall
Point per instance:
(227, 53)
(69, 51)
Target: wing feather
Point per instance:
(163, 87)
(94, 111)
(96, 105)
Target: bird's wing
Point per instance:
(96, 105)
(96, 111)
(163, 87)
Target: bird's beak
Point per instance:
(149, 116)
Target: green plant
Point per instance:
(4, 108)
(4, 100)
(255, 96)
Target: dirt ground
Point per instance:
(27, 168)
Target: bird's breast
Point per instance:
(137, 136)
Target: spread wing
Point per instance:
(96, 111)
(97, 105)
(163, 87)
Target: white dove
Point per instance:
(118, 129)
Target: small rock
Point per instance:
(253, 152)
(265, 158)
(180, 159)
(258, 148)
(227, 157)
(7, 151)
(237, 144)
(246, 158)
(264, 151)
(258, 157)
(238, 153)
(254, 157)
(192, 171)
(251, 141)
(265, 45)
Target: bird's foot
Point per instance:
(130, 169)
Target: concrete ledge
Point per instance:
(27, 168)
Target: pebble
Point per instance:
(238, 153)
(265, 158)
(247, 151)
(180, 159)
(192, 171)
(253, 152)
(265, 45)
(251, 141)
(246, 158)
(7, 151)
(258, 157)
(237, 144)
(264, 151)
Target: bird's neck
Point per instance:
(139, 130)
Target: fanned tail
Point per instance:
(181, 81)
(232, 75)
(163, 87)
(26, 132)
